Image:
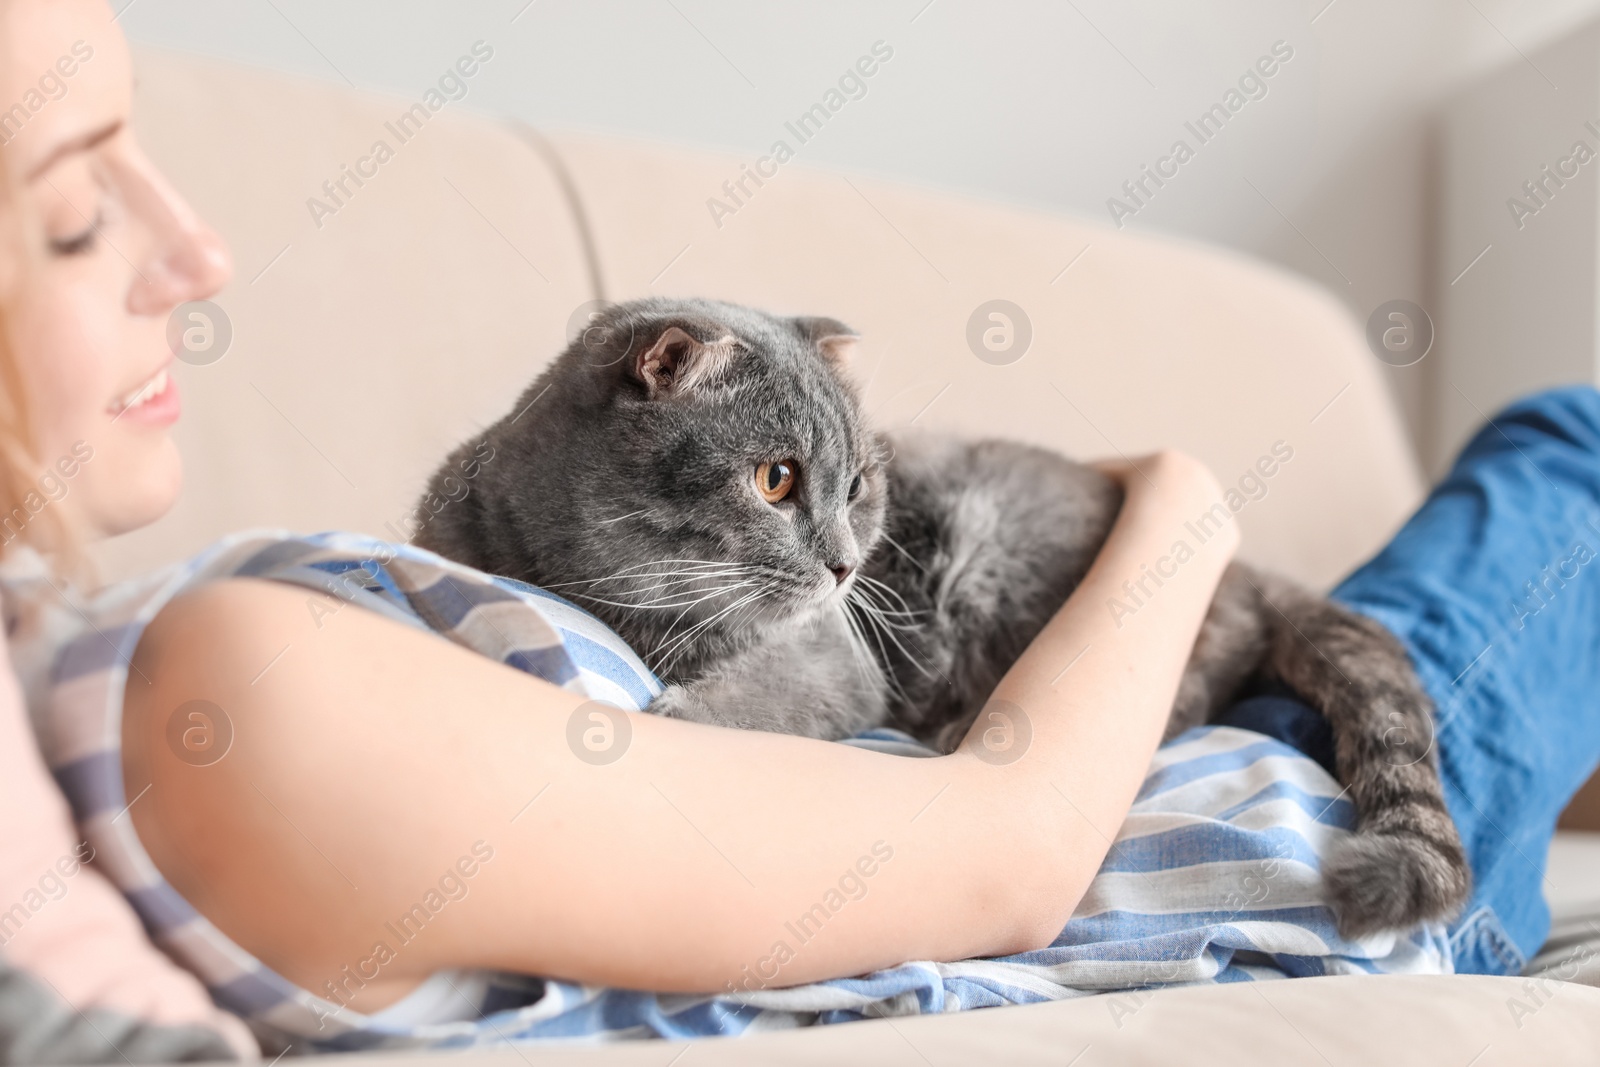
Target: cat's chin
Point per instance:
(826, 598)
(809, 612)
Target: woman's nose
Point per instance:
(187, 260)
(192, 264)
(202, 260)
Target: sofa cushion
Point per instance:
(1398, 1021)
(1137, 341)
(368, 341)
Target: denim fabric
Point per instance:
(1494, 588)
(1281, 715)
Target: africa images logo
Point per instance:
(453, 85)
(852, 85)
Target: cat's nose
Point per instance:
(841, 571)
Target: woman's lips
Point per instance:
(154, 403)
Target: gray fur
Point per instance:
(630, 490)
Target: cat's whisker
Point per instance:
(690, 560)
(636, 573)
(880, 618)
(700, 627)
(886, 595)
(852, 610)
(692, 594)
(685, 642)
(676, 564)
(746, 582)
(865, 661)
(669, 638)
(863, 613)
(890, 599)
(672, 582)
(661, 604)
(869, 598)
(886, 620)
(883, 627)
(629, 515)
(898, 547)
(854, 639)
(710, 596)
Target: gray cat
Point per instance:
(700, 475)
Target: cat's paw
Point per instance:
(676, 702)
(683, 702)
(1388, 881)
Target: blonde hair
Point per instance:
(16, 433)
(19, 463)
(16, 430)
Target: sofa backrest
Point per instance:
(377, 324)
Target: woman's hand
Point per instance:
(1174, 478)
(1174, 483)
(1153, 468)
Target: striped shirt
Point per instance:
(1214, 877)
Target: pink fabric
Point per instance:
(60, 920)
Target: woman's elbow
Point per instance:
(1038, 894)
(1035, 922)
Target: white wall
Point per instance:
(1037, 101)
(1526, 315)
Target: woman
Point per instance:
(78, 979)
(346, 788)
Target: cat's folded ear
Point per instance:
(677, 362)
(836, 341)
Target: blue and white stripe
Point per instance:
(1214, 877)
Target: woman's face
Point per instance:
(116, 250)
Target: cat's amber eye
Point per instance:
(774, 480)
(855, 487)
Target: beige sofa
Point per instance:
(370, 338)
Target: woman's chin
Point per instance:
(121, 501)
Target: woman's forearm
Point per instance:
(1094, 690)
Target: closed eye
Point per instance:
(76, 244)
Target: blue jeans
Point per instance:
(1493, 586)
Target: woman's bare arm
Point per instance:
(371, 759)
